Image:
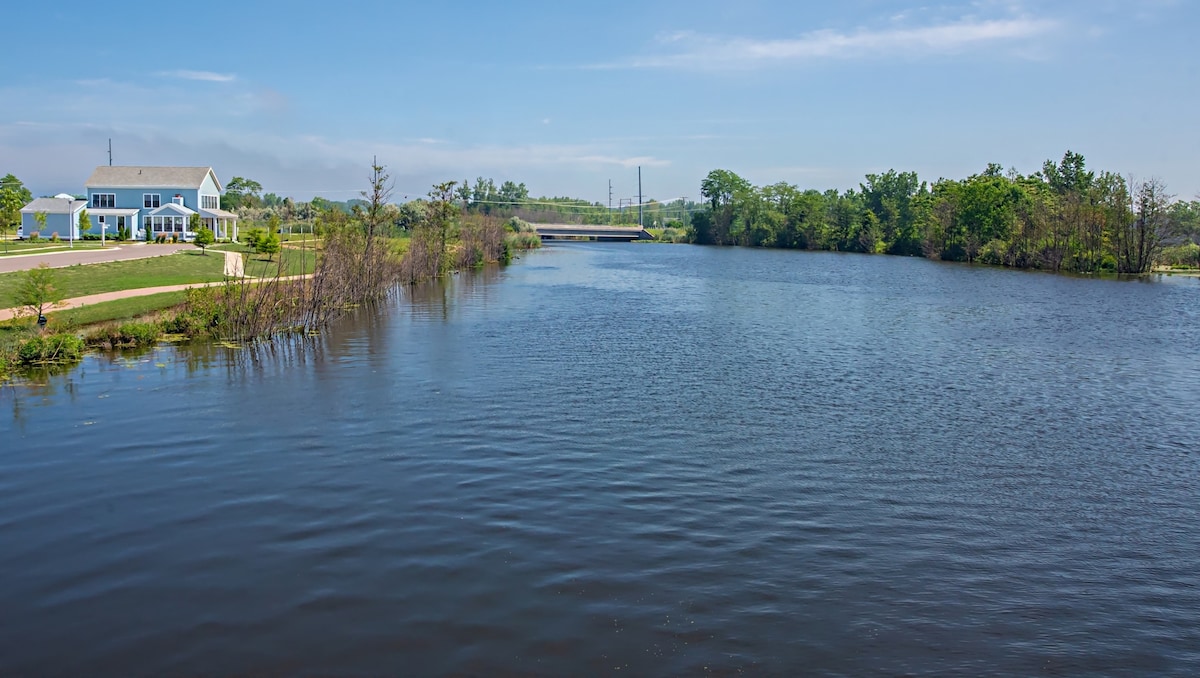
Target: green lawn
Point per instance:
(119, 310)
(175, 269)
(24, 247)
(295, 262)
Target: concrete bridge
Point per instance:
(591, 232)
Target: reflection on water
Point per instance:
(663, 460)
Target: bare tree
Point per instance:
(1138, 234)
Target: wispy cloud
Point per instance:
(205, 76)
(685, 50)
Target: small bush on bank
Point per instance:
(524, 241)
(672, 234)
(126, 335)
(50, 349)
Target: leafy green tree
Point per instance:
(513, 194)
(204, 238)
(13, 196)
(241, 192)
(38, 290)
(85, 222)
(889, 197)
(40, 218)
(721, 188)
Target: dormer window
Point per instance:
(151, 200)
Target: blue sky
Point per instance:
(565, 96)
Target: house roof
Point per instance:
(53, 206)
(106, 176)
(221, 214)
(170, 207)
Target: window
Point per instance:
(120, 222)
(146, 223)
(101, 200)
(151, 200)
(210, 202)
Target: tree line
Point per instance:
(1061, 218)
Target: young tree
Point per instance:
(441, 214)
(204, 238)
(267, 244)
(38, 290)
(251, 236)
(377, 198)
(40, 218)
(85, 222)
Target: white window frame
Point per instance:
(104, 200)
(151, 201)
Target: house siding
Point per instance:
(65, 225)
(132, 198)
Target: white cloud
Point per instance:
(57, 157)
(709, 52)
(205, 76)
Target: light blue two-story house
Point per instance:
(158, 201)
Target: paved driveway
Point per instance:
(70, 258)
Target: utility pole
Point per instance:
(640, 197)
(110, 151)
(608, 218)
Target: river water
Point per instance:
(631, 459)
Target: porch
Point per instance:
(223, 224)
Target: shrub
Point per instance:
(519, 225)
(35, 237)
(54, 237)
(673, 234)
(50, 349)
(174, 238)
(524, 241)
(126, 335)
(992, 252)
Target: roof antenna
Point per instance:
(110, 151)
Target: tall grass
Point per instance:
(354, 269)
